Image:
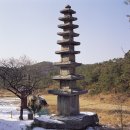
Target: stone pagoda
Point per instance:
(68, 94)
(68, 112)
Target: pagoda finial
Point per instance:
(67, 6)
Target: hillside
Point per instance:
(108, 76)
(46, 70)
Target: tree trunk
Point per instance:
(23, 106)
(24, 102)
(21, 113)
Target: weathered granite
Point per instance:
(68, 26)
(67, 18)
(68, 77)
(78, 122)
(68, 42)
(68, 33)
(68, 111)
(65, 93)
(66, 64)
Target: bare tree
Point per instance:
(19, 78)
(127, 2)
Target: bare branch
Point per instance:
(18, 76)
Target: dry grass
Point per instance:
(106, 106)
(5, 93)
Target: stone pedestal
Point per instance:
(78, 122)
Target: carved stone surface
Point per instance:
(68, 105)
(78, 122)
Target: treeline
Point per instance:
(108, 76)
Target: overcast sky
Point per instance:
(29, 27)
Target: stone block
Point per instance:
(78, 122)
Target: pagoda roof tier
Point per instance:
(62, 93)
(67, 52)
(67, 64)
(67, 18)
(68, 33)
(67, 42)
(68, 77)
(67, 10)
(68, 26)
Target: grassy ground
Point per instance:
(108, 107)
(111, 109)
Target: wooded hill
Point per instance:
(108, 76)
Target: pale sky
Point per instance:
(29, 27)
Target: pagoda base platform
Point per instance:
(77, 122)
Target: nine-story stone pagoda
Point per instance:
(68, 115)
(68, 94)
